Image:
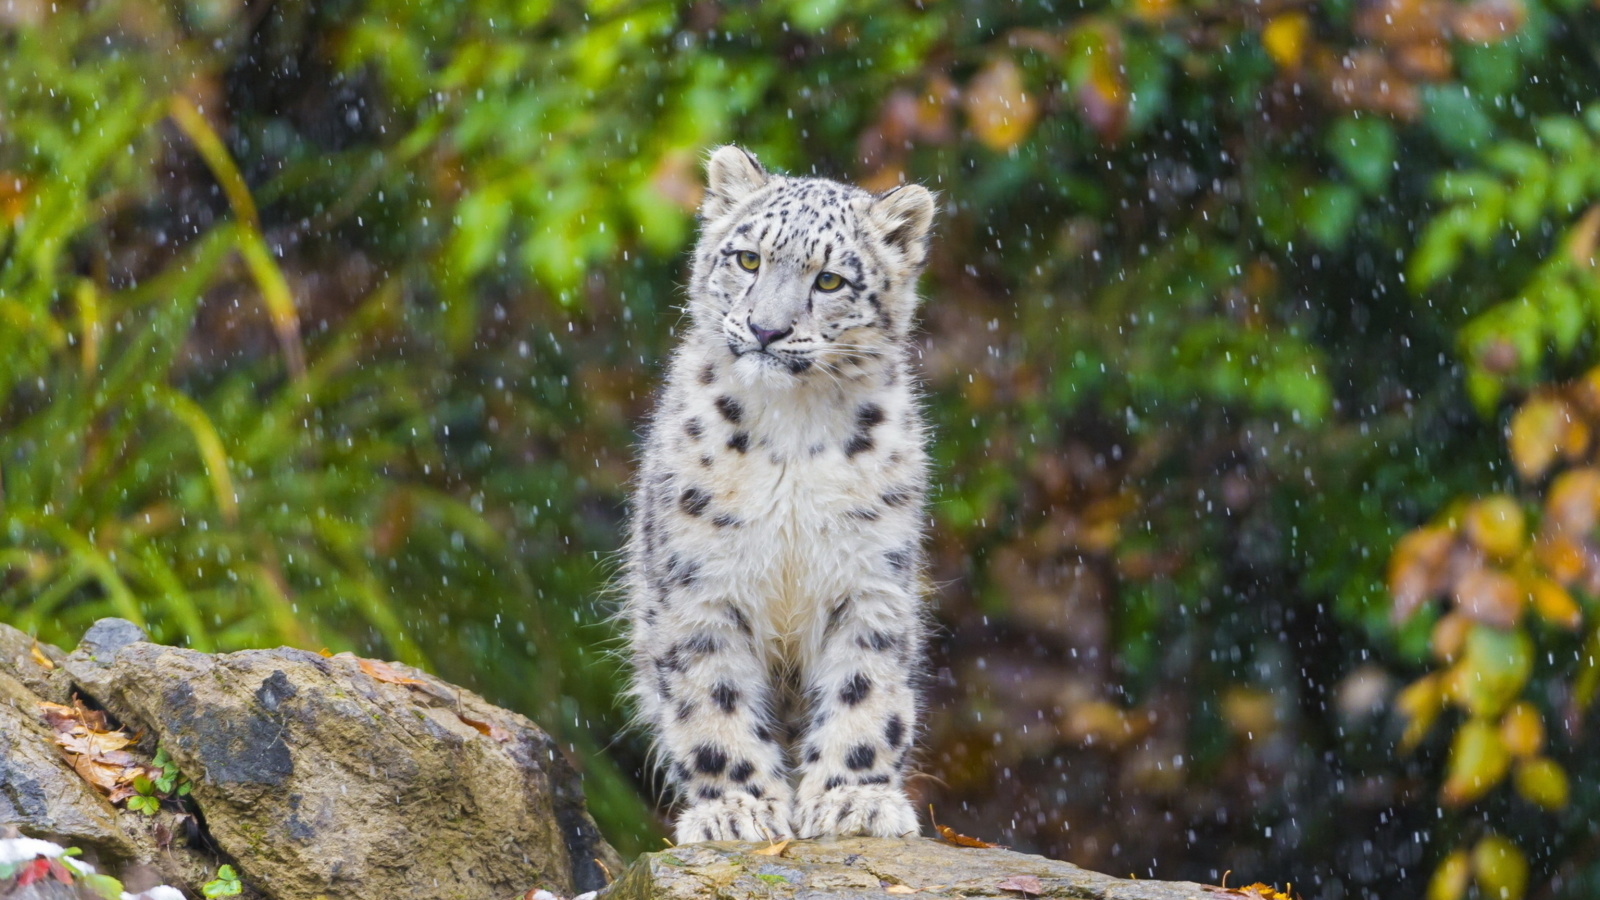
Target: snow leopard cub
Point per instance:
(773, 564)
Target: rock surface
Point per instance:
(877, 868)
(315, 777)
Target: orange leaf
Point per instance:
(1522, 730)
(999, 108)
(951, 836)
(488, 729)
(1416, 570)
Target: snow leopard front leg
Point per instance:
(714, 721)
(864, 711)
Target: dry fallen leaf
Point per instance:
(93, 749)
(488, 729)
(951, 836)
(773, 850)
(1026, 884)
(382, 671)
(39, 657)
(899, 889)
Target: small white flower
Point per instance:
(15, 850)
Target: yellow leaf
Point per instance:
(999, 108)
(1449, 881)
(1542, 782)
(773, 850)
(899, 889)
(1501, 869)
(1554, 604)
(1536, 434)
(1495, 524)
(1420, 702)
(1522, 730)
(1284, 37)
(39, 657)
(1478, 761)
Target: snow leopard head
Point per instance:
(801, 276)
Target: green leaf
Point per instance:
(1455, 118)
(1365, 148)
(1329, 211)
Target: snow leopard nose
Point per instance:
(765, 336)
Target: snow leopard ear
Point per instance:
(905, 214)
(731, 175)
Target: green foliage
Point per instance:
(226, 884)
(329, 325)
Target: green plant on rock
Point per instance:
(226, 884)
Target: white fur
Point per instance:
(773, 566)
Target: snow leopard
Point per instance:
(773, 572)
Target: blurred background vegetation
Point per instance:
(1258, 342)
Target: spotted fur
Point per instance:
(773, 565)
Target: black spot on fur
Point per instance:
(864, 515)
(707, 460)
(834, 615)
(899, 560)
(742, 772)
(730, 409)
(700, 644)
(685, 710)
(897, 496)
(813, 755)
(708, 375)
(681, 572)
(855, 690)
(869, 416)
(739, 620)
(755, 791)
(860, 757)
(878, 641)
(724, 520)
(726, 696)
(763, 733)
(709, 760)
(875, 779)
(709, 792)
(894, 731)
(680, 771)
(740, 441)
(832, 783)
(694, 429)
(694, 501)
(798, 365)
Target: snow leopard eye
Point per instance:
(828, 282)
(749, 260)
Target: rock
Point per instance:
(327, 777)
(88, 668)
(17, 659)
(39, 793)
(864, 868)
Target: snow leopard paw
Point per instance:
(879, 810)
(735, 816)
